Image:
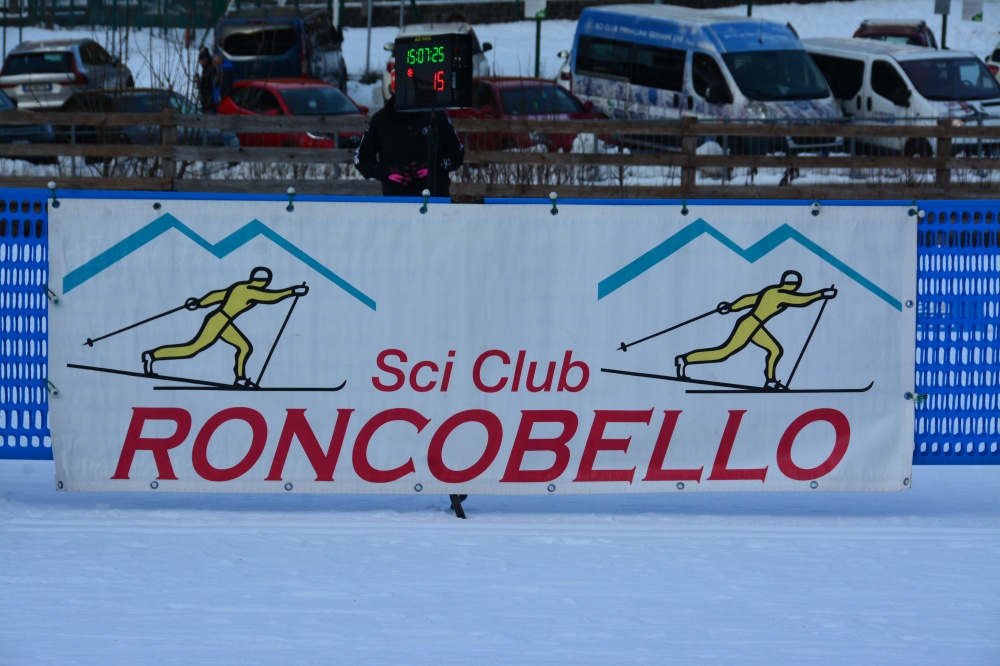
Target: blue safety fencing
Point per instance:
(956, 388)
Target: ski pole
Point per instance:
(808, 338)
(624, 346)
(278, 337)
(90, 341)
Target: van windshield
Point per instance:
(777, 75)
(951, 79)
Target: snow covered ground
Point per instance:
(728, 578)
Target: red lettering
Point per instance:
(524, 443)
(199, 454)
(494, 438)
(323, 462)
(596, 442)
(160, 446)
(398, 374)
(447, 370)
(842, 437)
(720, 469)
(655, 471)
(359, 456)
(414, 384)
(567, 365)
(477, 371)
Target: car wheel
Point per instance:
(917, 148)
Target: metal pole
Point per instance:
(749, 7)
(539, 15)
(368, 50)
(944, 31)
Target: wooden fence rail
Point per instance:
(171, 166)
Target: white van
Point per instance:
(883, 83)
(652, 62)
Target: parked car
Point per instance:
(898, 31)
(282, 42)
(511, 98)
(480, 65)
(885, 83)
(137, 100)
(660, 62)
(23, 134)
(292, 97)
(993, 61)
(45, 74)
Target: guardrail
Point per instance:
(605, 170)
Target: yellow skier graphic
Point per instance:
(763, 305)
(219, 324)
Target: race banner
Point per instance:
(358, 347)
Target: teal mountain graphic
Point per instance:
(760, 249)
(224, 247)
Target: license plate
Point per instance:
(36, 87)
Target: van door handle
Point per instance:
(869, 103)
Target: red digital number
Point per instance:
(439, 80)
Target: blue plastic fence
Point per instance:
(957, 382)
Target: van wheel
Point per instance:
(917, 148)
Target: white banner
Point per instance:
(366, 347)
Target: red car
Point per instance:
(523, 98)
(291, 97)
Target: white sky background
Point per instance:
(727, 578)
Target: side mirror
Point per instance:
(588, 106)
(487, 46)
(902, 97)
(363, 109)
(563, 54)
(389, 46)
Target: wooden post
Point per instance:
(689, 146)
(942, 174)
(168, 137)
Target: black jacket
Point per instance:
(395, 147)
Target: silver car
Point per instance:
(45, 74)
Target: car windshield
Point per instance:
(777, 75)
(538, 100)
(38, 63)
(5, 103)
(951, 79)
(318, 101)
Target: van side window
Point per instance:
(655, 67)
(844, 75)
(603, 57)
(887, 82)
(705, 72)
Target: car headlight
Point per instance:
(756, 111)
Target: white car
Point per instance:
(993, 61)
(45, 74)
(480, 65)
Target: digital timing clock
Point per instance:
(433, 71)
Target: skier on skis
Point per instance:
(763, 305)
(219, 324)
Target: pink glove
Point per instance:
(421, 173)
(399, 178)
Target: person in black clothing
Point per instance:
(204, 81)
(396, 146)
